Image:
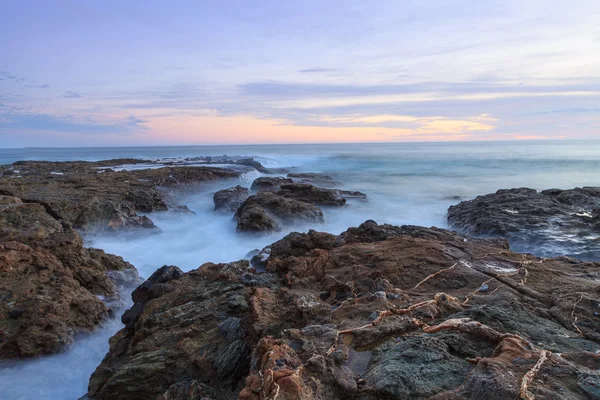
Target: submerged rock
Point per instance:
(229, 200)
(378, 312)
(267, 211)
(51, 287)
(550, 222)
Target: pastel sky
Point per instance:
(146, 72)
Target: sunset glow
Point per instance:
(139, 73)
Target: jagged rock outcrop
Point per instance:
(267, 211)
(51, 287)
(229, 200)
(549, 222)
(92, 197)
(378, 312)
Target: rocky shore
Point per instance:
(377, 312)
(51, 287)
(546, 222)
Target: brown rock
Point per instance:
(229, 200)
(50, 286)
(377, 312)
(90, 197)
(268, 211)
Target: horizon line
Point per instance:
(541, 140)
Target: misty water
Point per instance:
(406, 184)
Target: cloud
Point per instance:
(311, 90)
(71, 95)
(11, 77)
(69, 124)
(569, 111)
(315, 70)
(44, 86)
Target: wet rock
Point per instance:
(269, 183)
(548, 223)
(266, 211)
(311, 194)
(93, 199)
(414, 368)
(50, 285)
(185, 337)
(162, 275)
(313, 178)
(229, 200)
(352, 194)
(377, 312)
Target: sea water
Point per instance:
(407, 183)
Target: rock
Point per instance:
(229, 200)
(92, 198)
(311, 194)
(266, 211)
(269, 183)
(251, 162)
(162, 275)
(550, 222)
(50, 286)
(184, 337)
(352, 194)
(313, 178)
(379, 311)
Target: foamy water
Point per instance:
(406, 184)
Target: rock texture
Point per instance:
(313, 178)
(312, 194)
(378, 312)
(92, 197)
(267, 211)
(229, 200)
(550, 222)
(269, 183)
(51, 287)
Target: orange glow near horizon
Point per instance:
(212, 129)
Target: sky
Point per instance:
(105, 72)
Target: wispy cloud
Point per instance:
(316, 70)
(43, 86)
(71, 95)
(69, 123)
(569, 111)
(11, 77)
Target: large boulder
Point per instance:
(378, 312)
(267, 211)
(550, 222)
(229, 200)
(51, 287)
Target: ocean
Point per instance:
(407, 183)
